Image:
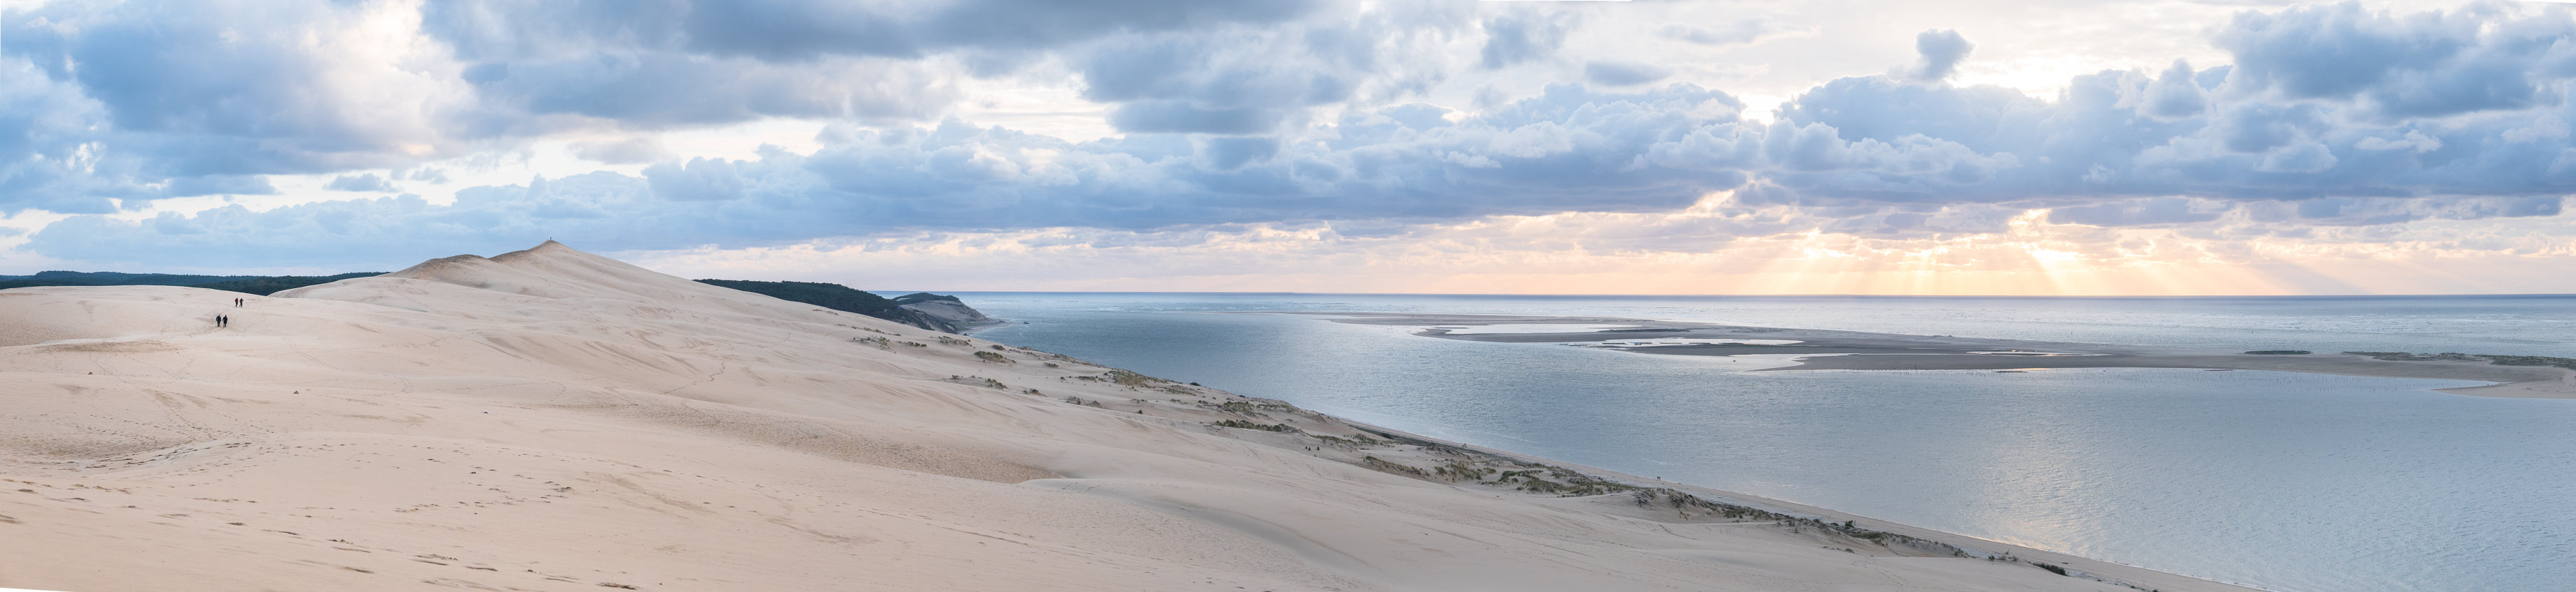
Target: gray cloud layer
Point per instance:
(2340, 115)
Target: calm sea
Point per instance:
(2291, 482)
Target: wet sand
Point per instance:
(1856, 350)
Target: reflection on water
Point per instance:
(2287, 481)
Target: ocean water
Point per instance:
(2293, 482)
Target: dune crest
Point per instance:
(549, 419)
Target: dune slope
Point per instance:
(554, 420)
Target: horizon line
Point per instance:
(2167, 296)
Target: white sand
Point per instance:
(553, 420)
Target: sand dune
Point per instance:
(553, 420)
(1826, 349)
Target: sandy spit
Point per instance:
(1857, 350)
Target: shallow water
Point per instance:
(2296, 482)
(1527, 328)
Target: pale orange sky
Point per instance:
(1552, 255)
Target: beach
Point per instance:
(553, 420)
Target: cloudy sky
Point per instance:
(1834, 146)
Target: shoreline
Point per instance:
(2110, 572)
(548, 418)
(1824, 349)
(1634, 497)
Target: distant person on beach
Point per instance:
(219, 321)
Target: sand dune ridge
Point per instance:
(554, 420)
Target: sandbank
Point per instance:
(1890, 351)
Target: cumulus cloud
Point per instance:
(1282, 113)
(1514, 38)
(2257, 130)
(219, 185)
(366, 182)
(1941, 51)
(238, 87)
(1180, 117)
(701, 179)
(430, 175)
(645, 89)
(2140, 212)
(1254, 81)
(1615, 72)
(1568, 149)
(623, 151)
(1738, 32)
(116, 100)
(1709, 248)
(792, 30)
(2174, 94)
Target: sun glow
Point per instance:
(1716, 247)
